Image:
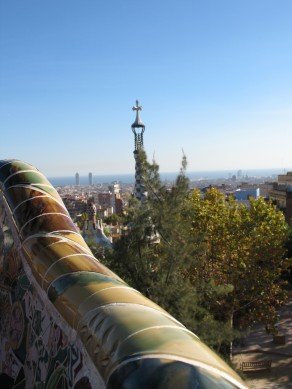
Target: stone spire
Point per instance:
(138, 129)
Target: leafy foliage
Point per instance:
(243, 248)
(113, 219)
(217, 266)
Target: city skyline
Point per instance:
(214, 80)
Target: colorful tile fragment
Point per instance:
(65, 307)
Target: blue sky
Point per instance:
(214, 78)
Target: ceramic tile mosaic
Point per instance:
(66, 321)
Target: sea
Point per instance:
(170, 177)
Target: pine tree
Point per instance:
(163, 272)
(218, 263)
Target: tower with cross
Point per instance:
(138, 129)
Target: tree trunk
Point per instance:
(231, 343)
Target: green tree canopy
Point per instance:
(217, 263)
(243, 248)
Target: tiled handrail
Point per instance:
(132, 341)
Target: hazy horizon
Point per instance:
(227, 171)
(130, 177)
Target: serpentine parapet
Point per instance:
(99, 331)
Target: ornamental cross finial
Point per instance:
(137, 107)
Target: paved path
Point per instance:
(260, 346)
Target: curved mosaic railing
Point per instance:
(132, 342)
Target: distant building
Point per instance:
(116, 201)
(115, 188)
(111, 199)
(239, 174)
(104, 199)
(74, 205)
(266, 188)
(281, 194)
(246, 194)
(285, 179)
(77, 181)
(90, 179)
(119, 206)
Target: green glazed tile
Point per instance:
(83, 278)
(73, 264)
(47, 256)
(163, 373)
(168, 341)
(116, 295)
(48, 188)
(35, 207)
(17, 194)
(47, 224)
(26, 177)
(12, 167)
(76, 238)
